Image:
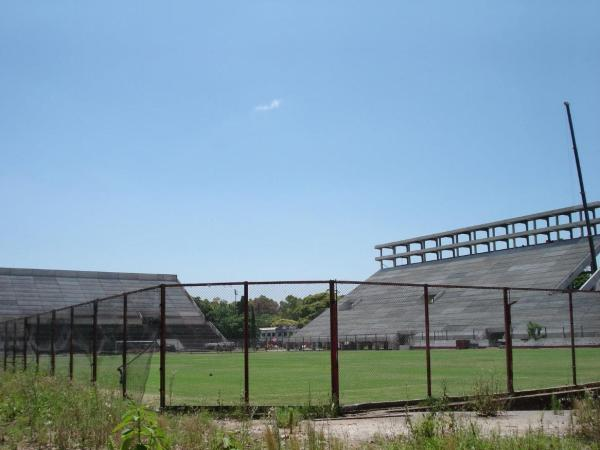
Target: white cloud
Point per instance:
(275, 104)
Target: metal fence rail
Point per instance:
(110, 341)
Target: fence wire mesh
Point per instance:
(109, 342)
(586, 318)
(289, 366)
(83, 331)
(204, 361)
(541, 350)
(383, 335)
(44, 343)
(62, 340)
(477, 331)
(369, 371)
(143, 332)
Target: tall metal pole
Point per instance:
(124, 349)
(508, 341)
(71, 332)
(427, 342)
(14, 349)
(25, 340)
(572, 332)
(593, 264)
(95, 342)
(5, 344)
(163, 346)
(52, 349)
(246, 338)
(333, 331)
(37, 343)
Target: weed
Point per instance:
(556, 405)
(587, 415)
(139, 430)
(52, 411)
(485, 400)
(171, 382)
(439, 404)
(287, 417)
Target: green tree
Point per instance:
(223, 315)
(264, 305)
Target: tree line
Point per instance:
(228, 317)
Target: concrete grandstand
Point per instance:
(29, 292)
(543, 250)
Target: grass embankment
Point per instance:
(41, 412)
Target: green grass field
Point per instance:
(365, 376)
(285, 378)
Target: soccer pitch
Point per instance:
(287, 378)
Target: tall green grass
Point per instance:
(52, 411)
(43, 412)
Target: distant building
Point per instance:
(275, 334)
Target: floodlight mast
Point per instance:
(593, 265)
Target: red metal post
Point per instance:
(37, 343)
(508, 342)
(14, 349)
(95, 342)
(333, 332)
(246, 339)
(5, 345)
(124, 349)
(25, 340)
(163, 344)
(572, 331)
(52, 353)
(71, 332)
(427, 341)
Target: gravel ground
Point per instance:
(511, 422)
(365, 428)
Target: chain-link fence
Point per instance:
(313, 342)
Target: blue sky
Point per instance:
(273, 139)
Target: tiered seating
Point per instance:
(473, 314)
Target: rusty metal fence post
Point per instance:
(95, 342)
(52, 350)
(508, 341)
(427, 342)
(124, 349)
(572, 331)
(5, 345)
(163, 345)
(14, 349)
(25, 340)
(37, 343)
(71, 332)
(246, 338)
(333, 332)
